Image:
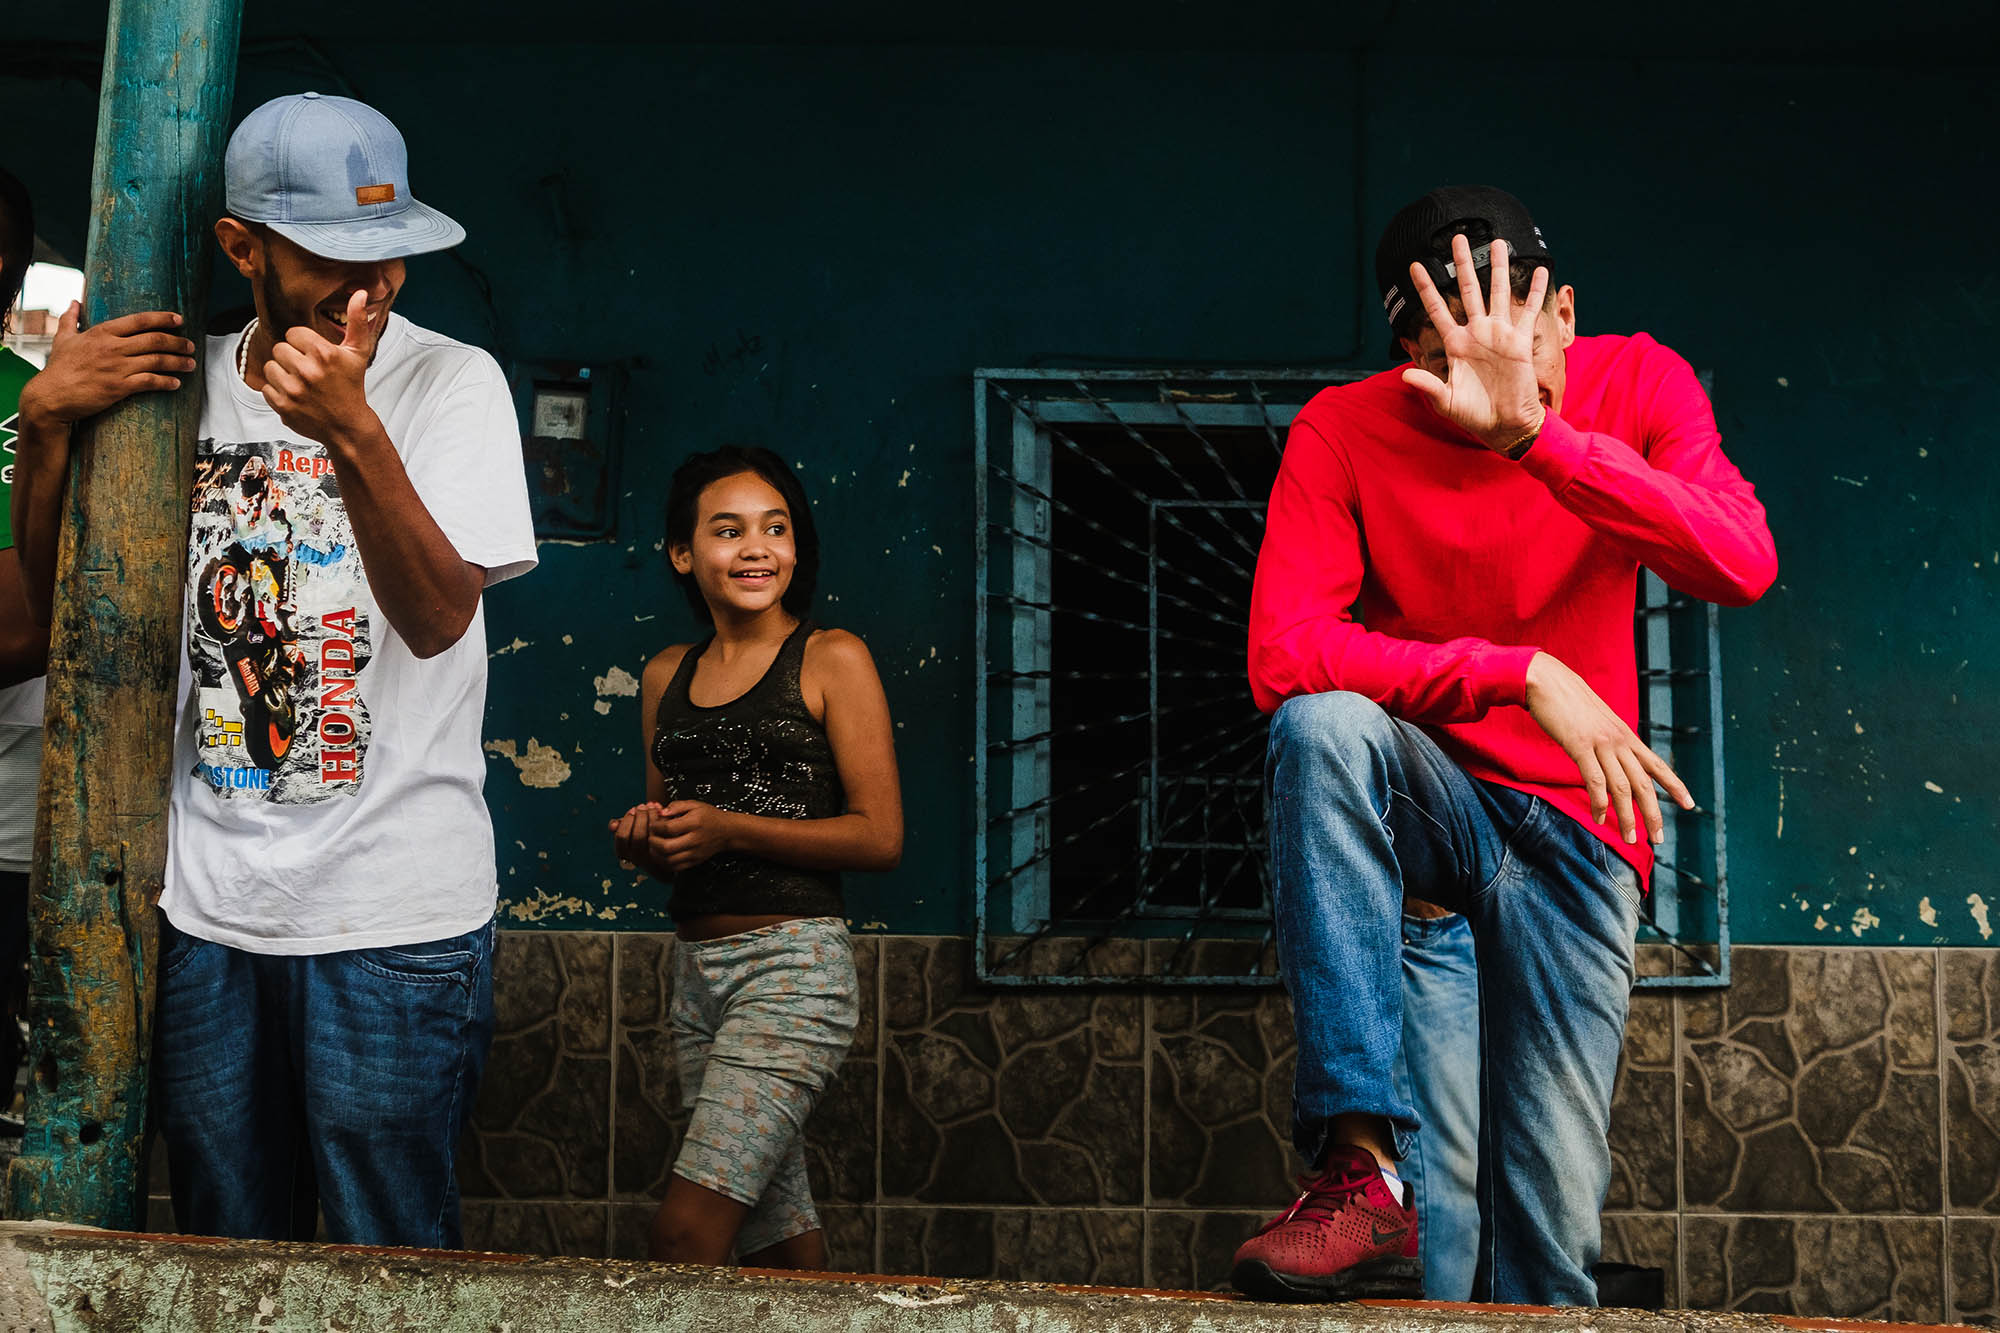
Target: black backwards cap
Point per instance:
(1422, 233)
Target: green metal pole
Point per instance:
(114, 653)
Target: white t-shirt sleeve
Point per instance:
(466, 466)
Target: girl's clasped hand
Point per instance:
(663, 839)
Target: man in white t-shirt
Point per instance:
(325, 994)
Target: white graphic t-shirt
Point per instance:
(328, 782)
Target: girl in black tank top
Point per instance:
(761, 753)
(770, 769)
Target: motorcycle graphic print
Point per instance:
(278, 626)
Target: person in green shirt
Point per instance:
(23, 650)
(17, 246)
(24, 645)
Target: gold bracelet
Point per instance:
(1514, 452)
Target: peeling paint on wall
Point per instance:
(545, 904)
(540, 765)
(1979, 915)
(617, 683)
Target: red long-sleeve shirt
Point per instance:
(1404, 561)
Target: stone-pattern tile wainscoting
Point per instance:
(1822, 1138)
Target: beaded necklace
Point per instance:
(243, 350)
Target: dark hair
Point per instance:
(700, 471)
(17, 237)
(1520, 278)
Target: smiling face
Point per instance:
(1555, 330)
(294, 287)
(742, 553)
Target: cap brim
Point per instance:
(418, 229)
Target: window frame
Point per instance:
(1014, 412)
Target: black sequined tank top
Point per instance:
(761, 754)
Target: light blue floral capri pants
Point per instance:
(761, 1022)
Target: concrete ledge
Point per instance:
(57, 1279)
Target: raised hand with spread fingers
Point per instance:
(1489, 388)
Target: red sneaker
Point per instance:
(1347, 1237)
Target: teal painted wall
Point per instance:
(814, 246)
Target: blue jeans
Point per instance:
(288, 1086)
(1362, 803)
(1437, 1072)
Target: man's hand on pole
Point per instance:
(89, 371)
(1618, 769)
(1489, 390)
(93, 369)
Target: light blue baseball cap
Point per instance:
(330, 174)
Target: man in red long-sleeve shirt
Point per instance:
(1441, 626)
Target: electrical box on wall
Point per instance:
(569, 440)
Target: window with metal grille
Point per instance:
(1119, 758)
